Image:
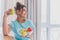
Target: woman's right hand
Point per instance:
(7, 13)
(6, 27)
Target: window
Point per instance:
(54, 30)
(43, 19)
(43, 11)
(55, 12)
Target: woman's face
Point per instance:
(22, 13)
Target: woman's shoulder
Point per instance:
(29, 20)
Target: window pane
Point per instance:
(55, 12)
(54, 33)
(43, 33)
(43, 10)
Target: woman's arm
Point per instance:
(6, 27)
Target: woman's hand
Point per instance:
(29, 36)
(7, 13)
(6, 27)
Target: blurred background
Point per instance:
(45, 14)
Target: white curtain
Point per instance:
(34, 12)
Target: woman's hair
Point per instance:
(19, 6)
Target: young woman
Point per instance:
(20, 22)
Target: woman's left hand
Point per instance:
(29, 36)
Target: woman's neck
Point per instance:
(21, 20)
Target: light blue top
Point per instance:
(15, 25)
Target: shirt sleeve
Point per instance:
(31, 24)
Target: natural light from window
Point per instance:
(55, 12)
(43, 11)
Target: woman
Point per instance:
(20, 22)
